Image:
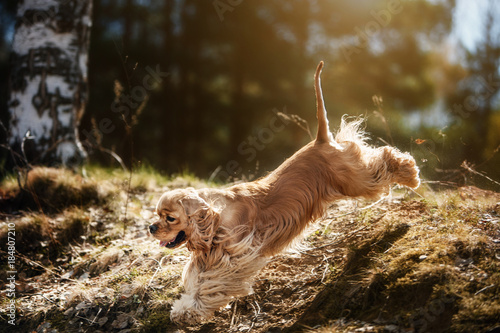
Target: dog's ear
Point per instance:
(203, 222)
(192, 202)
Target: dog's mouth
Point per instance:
(179, 239)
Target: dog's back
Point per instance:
(325, 170)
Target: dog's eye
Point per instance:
(170, 218)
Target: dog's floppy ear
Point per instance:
(203, 222)
(192, 202)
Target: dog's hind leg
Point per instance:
(398, 167)
(388, 165)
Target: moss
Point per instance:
(156, 321)
(477, 313)
(58, 321)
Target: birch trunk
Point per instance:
(48, 83)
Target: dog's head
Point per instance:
(184, 217)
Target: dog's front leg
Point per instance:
(209, 287)
(186, 310)
(190, 308)
(205, 293)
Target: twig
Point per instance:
(26, 137)
(497, 149)
(114, 155)
(377, 100)
(137, 259)
(48, 299)
(415, 192)
(484, 289)
(325, 270)
(303, 124)
(126, 202)
(87, 319)
(384, 141)
(258, 312)
(214, 174)
(234, 313)
(467, 167)
(127, 76)
(97, 315)
(157, 269)
(440, 182)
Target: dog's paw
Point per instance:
(407, 173)
(402, 166)
(184, 311)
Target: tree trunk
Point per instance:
(48, 83)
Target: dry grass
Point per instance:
(426, 262)
(432, 266)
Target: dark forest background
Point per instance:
(198, 85)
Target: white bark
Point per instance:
(49, 79)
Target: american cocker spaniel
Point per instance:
(231, 232)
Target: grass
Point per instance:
(435, 272)
(52, 190)
(426, 262)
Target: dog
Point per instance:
(232, 232)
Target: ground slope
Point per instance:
(414, 262)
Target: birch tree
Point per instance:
(48, 82)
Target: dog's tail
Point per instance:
(323, 134)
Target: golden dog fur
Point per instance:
(231, 232)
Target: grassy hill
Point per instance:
(414, 262)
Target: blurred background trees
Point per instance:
(197, 85)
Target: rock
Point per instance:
(121, 321)
(102, 321)
(67, 275)
(82, 305)
(84, 276)
(69, 312)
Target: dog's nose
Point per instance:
(152, 228)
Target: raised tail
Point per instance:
(323, 134)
